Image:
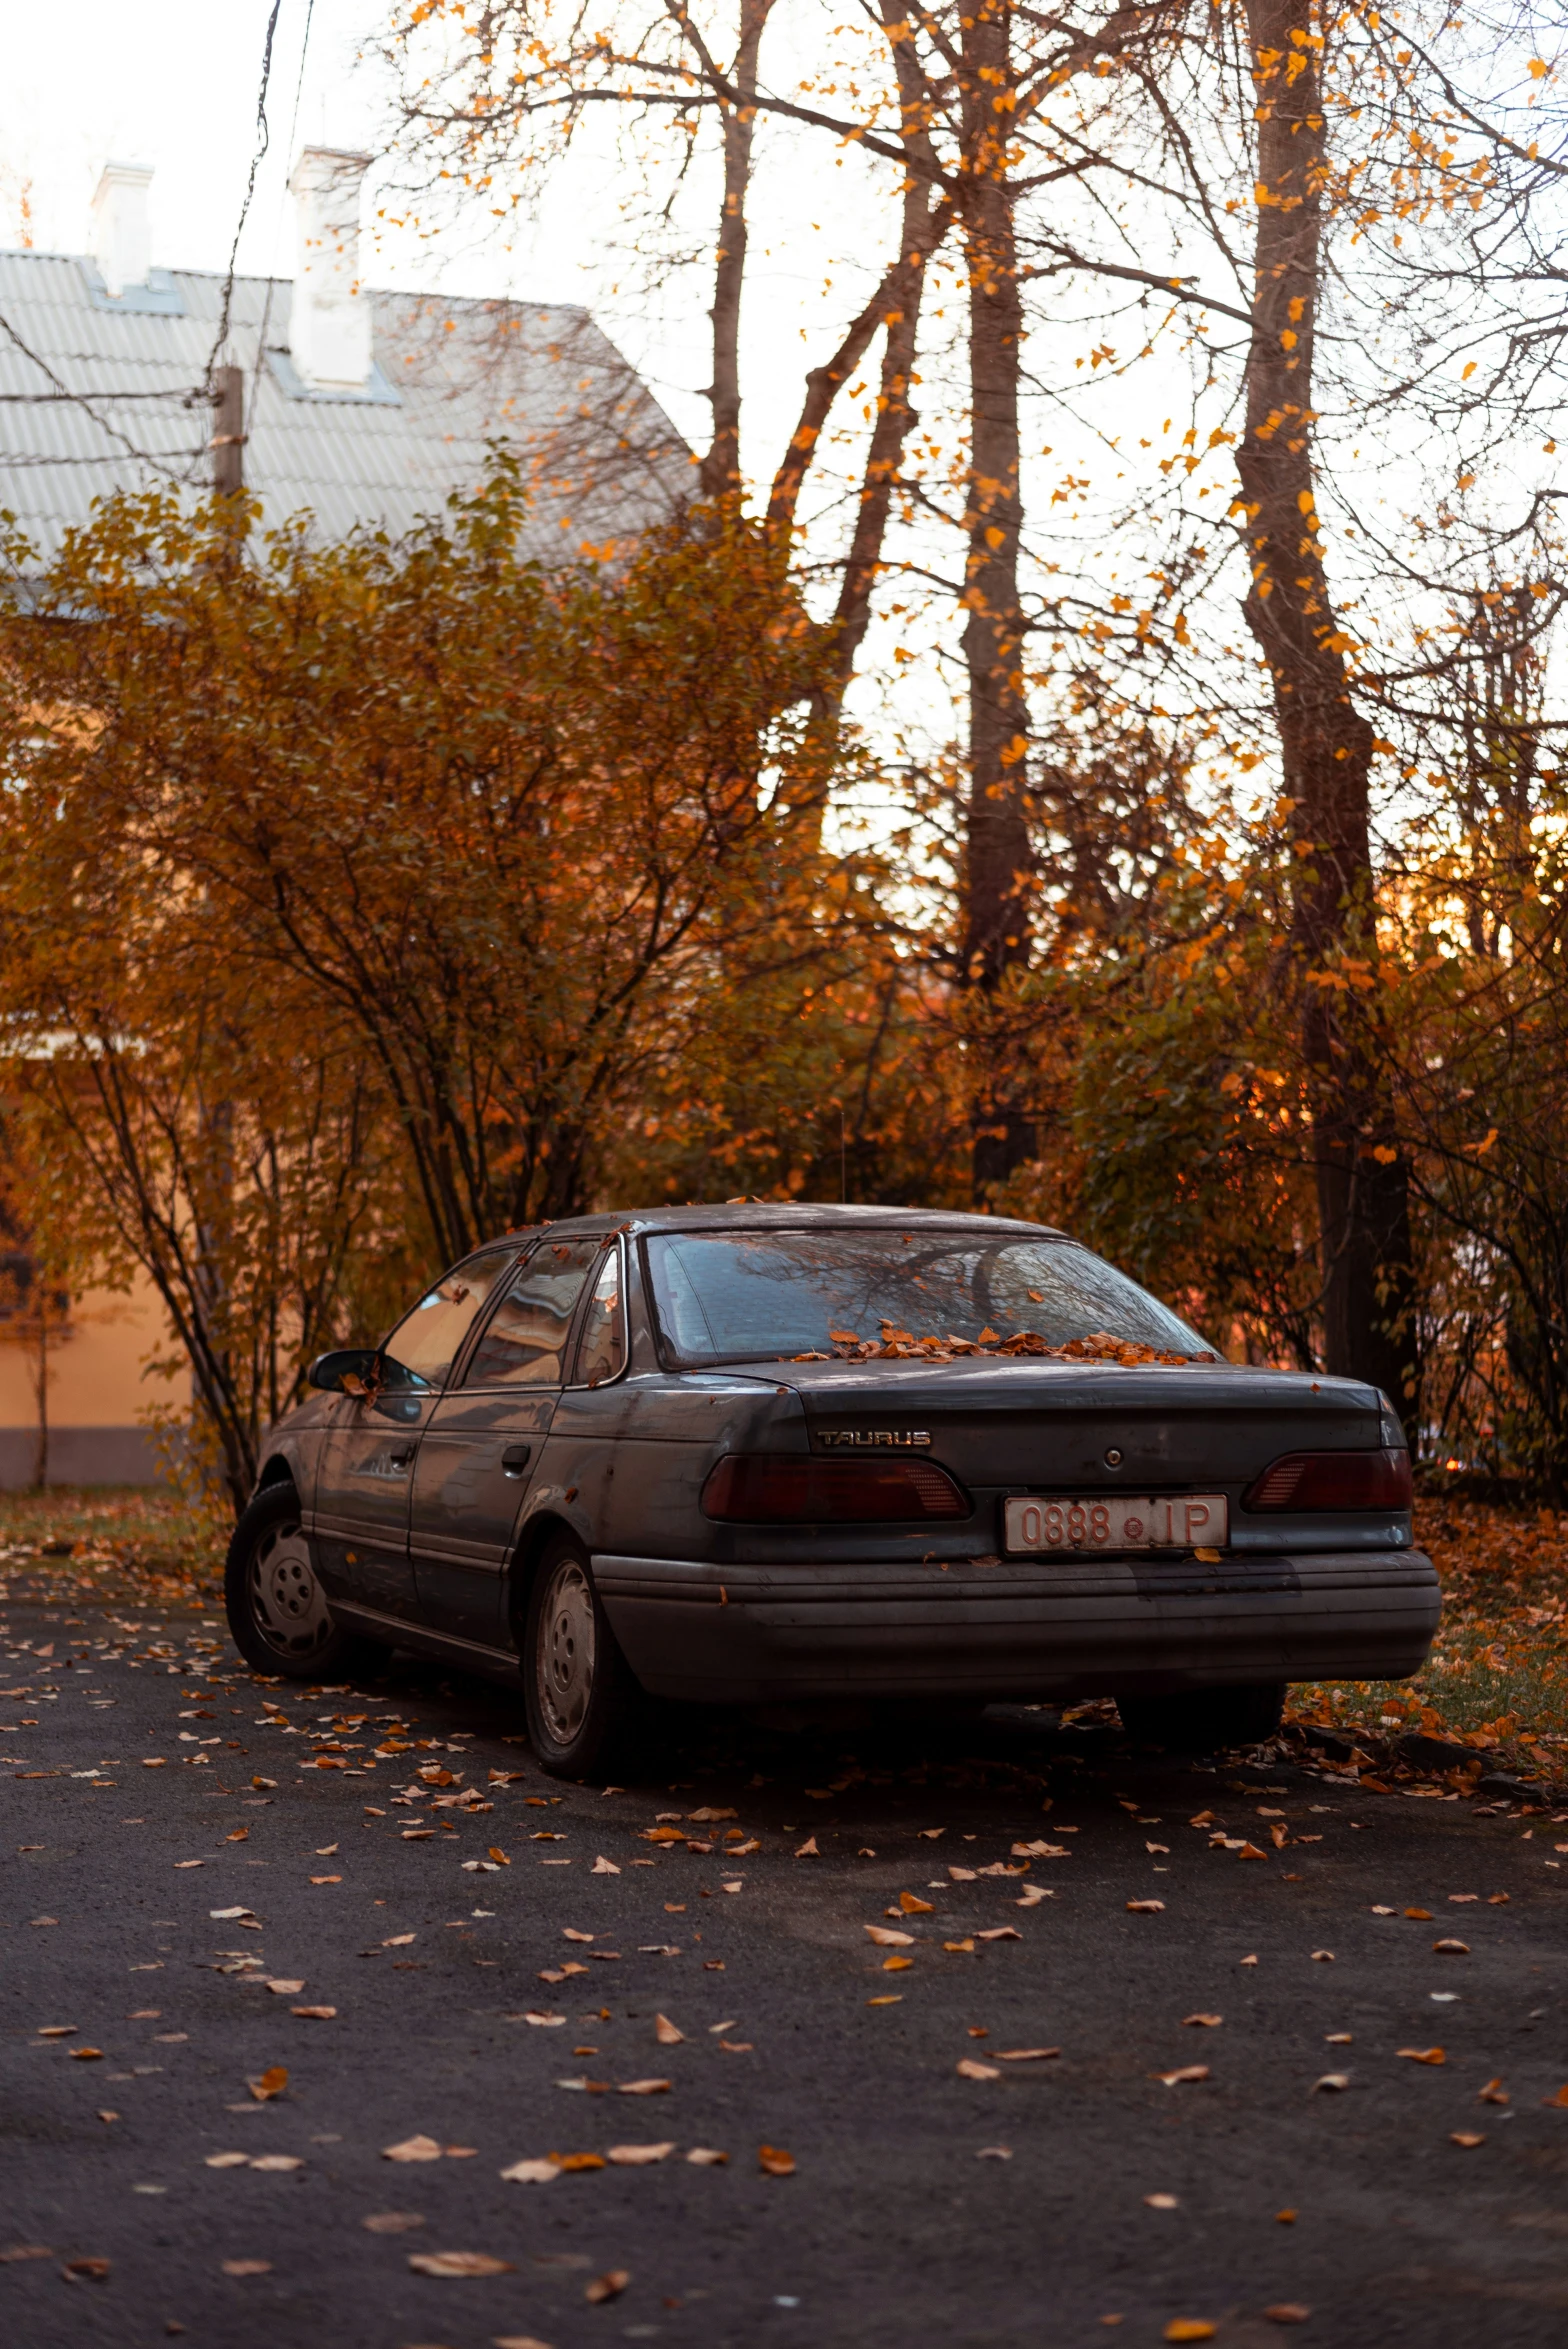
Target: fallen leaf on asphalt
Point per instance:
(532, 2173)
(1338, 2038)
(1246, 1961)
(1382, 1912)
(25, 2251)
(190, 1863)
(808, 1850)
(1323, 1957)
(1493, 2093)
(609, 2286)
(1250, 1851)
(633, 2157)
(227, 2161)
(1151, 1847)
(706, 2156)
(912, 1907)
(963, 1945)
(66, 2030)
(897, 1965)
(392, 2222)
(775, 2161)
(269, 2083)
(501, 1860)
(1040, 1850)
(1468, 2138)
(740, 1851)
(324, 1851)
(643, 2088)
(1424, 2055)
(1560, 2098)
(1000, 1933)
(276, 2161)
(709, 1813)
(283, 1988)
(314, 2014)
(1024, 2055)
(601, 1866)
(1425, 1915)
(108, 2116)
(247, 2267)
(1203, 1819)
(968, 2069)
(1145, 1908)
(326, 1879)
(1161, 2201)
(931, 1833)
(263, 1784)
(412, 2149)
(994, 2153)
(1209, 2022)
(894, 1998)
(1285, 2218)
(86, 2055)
(887, 1938)
(1333, 2080)
(665, 2032)
(1288, 2312)
(1186, 2072)
(1451, 1948)
(518, 2341)
(1189, 2328)
(570, 1933)
(458, 2263)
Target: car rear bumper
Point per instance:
(1016, 1628)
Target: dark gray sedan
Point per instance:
(754, 1453)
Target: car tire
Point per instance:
(1196, 1720)
(580, 1697)
(278, 1612)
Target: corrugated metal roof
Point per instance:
(454, 377)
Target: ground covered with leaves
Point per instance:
(147, 1543)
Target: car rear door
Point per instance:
(480, 1449)
(360, 1522)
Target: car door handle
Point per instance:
(516, 1458)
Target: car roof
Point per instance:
(770, 1215)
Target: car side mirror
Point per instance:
(350, 1370)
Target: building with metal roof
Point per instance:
(368, 409)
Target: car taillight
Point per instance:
(1333, 1480)
(783, 1491)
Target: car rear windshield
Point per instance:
(740, 1296)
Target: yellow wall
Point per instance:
(96, 1383)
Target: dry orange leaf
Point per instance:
(638, 2156)
(1451, 1948)
(1186, 2072)
(808, 1850)
(665, 2032)
(775, 2161)
(609, 2286)
(1424, 2055)
(1288, 2312)
(86, 2055)
(1425, 1915)
(412, 2149)
(1560, 2098)
(315, 2014)
(1189, 2328)
(1250, 1851)
(459, 2263)
(643, 2088)
(897, 1965)
(1493, 2093)
(913, 1907)
(706, 2156)
(1025, 2055)
(247, 2267)
(1468, 2138)
(887, 1937)
(968, 2069)
(1209, 2022)
(1145, 1908)
(272, 2082)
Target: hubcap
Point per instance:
(564, 1663)
(287, 1603)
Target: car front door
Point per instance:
(479, 1451)
(360, 1521)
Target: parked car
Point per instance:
(762, 1453)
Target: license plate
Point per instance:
(1185, 1521)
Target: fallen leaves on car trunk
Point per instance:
(459, 2263)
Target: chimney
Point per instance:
(122, 243)
(330, 326)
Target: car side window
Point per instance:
(525, 1343)
(425, 1344)
(601, 1350)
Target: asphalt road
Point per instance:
(1065, 2198)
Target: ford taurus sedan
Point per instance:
(756, 1453)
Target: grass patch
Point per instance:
(144, 1541)
(1498, 1672)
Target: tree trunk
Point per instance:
(1325, 742)
(997, 848)
(720, 472)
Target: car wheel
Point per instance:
(277, 1609)
(1195, 1720)
(578, 1690)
